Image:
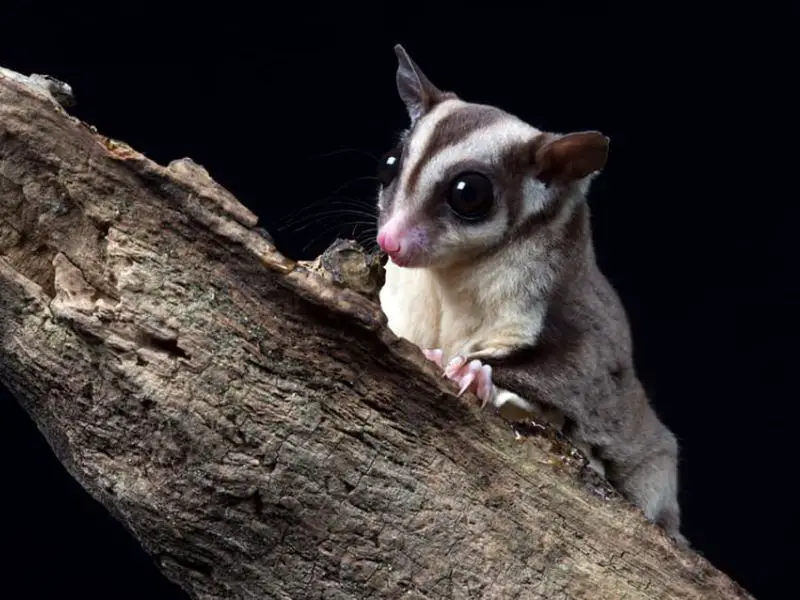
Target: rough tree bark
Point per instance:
(254, 424)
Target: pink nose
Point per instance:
(388, 242)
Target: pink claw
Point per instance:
(485, 386)
(467, 378)
(454, 366)
(473, 376)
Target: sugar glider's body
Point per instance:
(492, 272)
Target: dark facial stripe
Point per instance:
(520, 162)
(517, 165)
(450, 130)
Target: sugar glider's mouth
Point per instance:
(400, 260)
(409, 258)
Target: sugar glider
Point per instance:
(492, 272)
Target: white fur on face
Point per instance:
(485, 144)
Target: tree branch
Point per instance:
(252, 422)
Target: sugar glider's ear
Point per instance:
(416, 91)
(569, 157)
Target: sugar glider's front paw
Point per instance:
(474, 376)
(469, 375)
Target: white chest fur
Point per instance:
(433, 312)
(415, 307)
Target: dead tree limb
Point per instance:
(255, 425)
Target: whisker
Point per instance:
(323, 232)
(312, 219)
(367, 241)
(338, 199)
(366, 238)
(298, 216)
(338, 224)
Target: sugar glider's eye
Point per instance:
(389, 166)
(471, 196)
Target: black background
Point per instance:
(694, 217)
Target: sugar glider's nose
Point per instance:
(404, 243)
(388, 241)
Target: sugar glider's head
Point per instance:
(466, 177)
